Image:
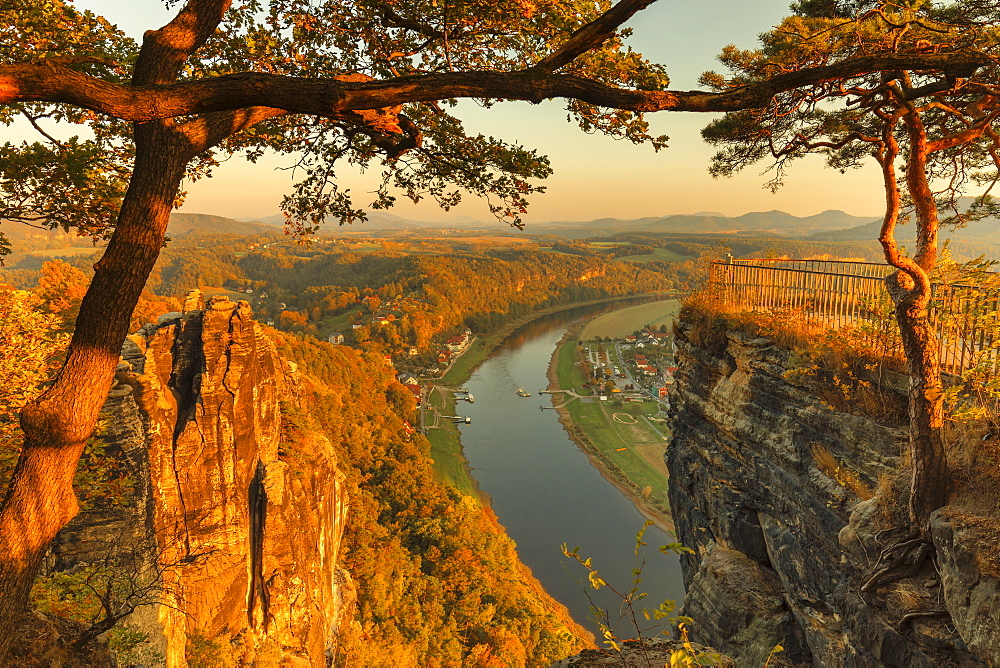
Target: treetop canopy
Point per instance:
(370, 82)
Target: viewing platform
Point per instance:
(840, 293)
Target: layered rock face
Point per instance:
(781, 546)
(241, 525)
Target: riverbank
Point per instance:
(563, 373)
(450, 464)
(485, 344)
(544, 488)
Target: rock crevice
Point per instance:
(244, 535)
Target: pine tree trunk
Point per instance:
(928, 464)
(910, 289)
(40, 499)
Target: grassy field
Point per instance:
(215, 292)
(477, 352)
(615, 444)
(65, 252)
(568, 373)
(628, 448)
(621, 323)
(664, 254)
(450, 465)
(338, 323)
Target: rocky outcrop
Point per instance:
(971, 595)
(782, 542)
(240, 524)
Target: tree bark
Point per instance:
(40, 499)
(333, 97)
(929, 467)
(928, 464)
(910, 290)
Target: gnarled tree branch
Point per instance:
(333, 96)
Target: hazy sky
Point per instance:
(595, 177)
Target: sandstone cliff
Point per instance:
(238, 525)
(781, 544)
(235, 522)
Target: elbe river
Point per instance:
(544, 489)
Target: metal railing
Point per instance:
(841, 294)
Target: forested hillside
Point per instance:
(438, 580)
(397, 292)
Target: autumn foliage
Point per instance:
(439, 582)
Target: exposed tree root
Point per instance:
(904, 623)
(898, 561)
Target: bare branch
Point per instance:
(33, 120)
(970, 133)
(592, 34)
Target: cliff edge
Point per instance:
(782, 540)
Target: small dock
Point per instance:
(458, 419)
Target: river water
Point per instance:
(544, 489)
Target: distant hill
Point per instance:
(380, 220)
(203, 223)
(772, 222)
(864, 232)
(776, 222)
(23, 237)
(979, 238)
(29, 238)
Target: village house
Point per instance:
(459, 342)
(407, 378)
(335, 338)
